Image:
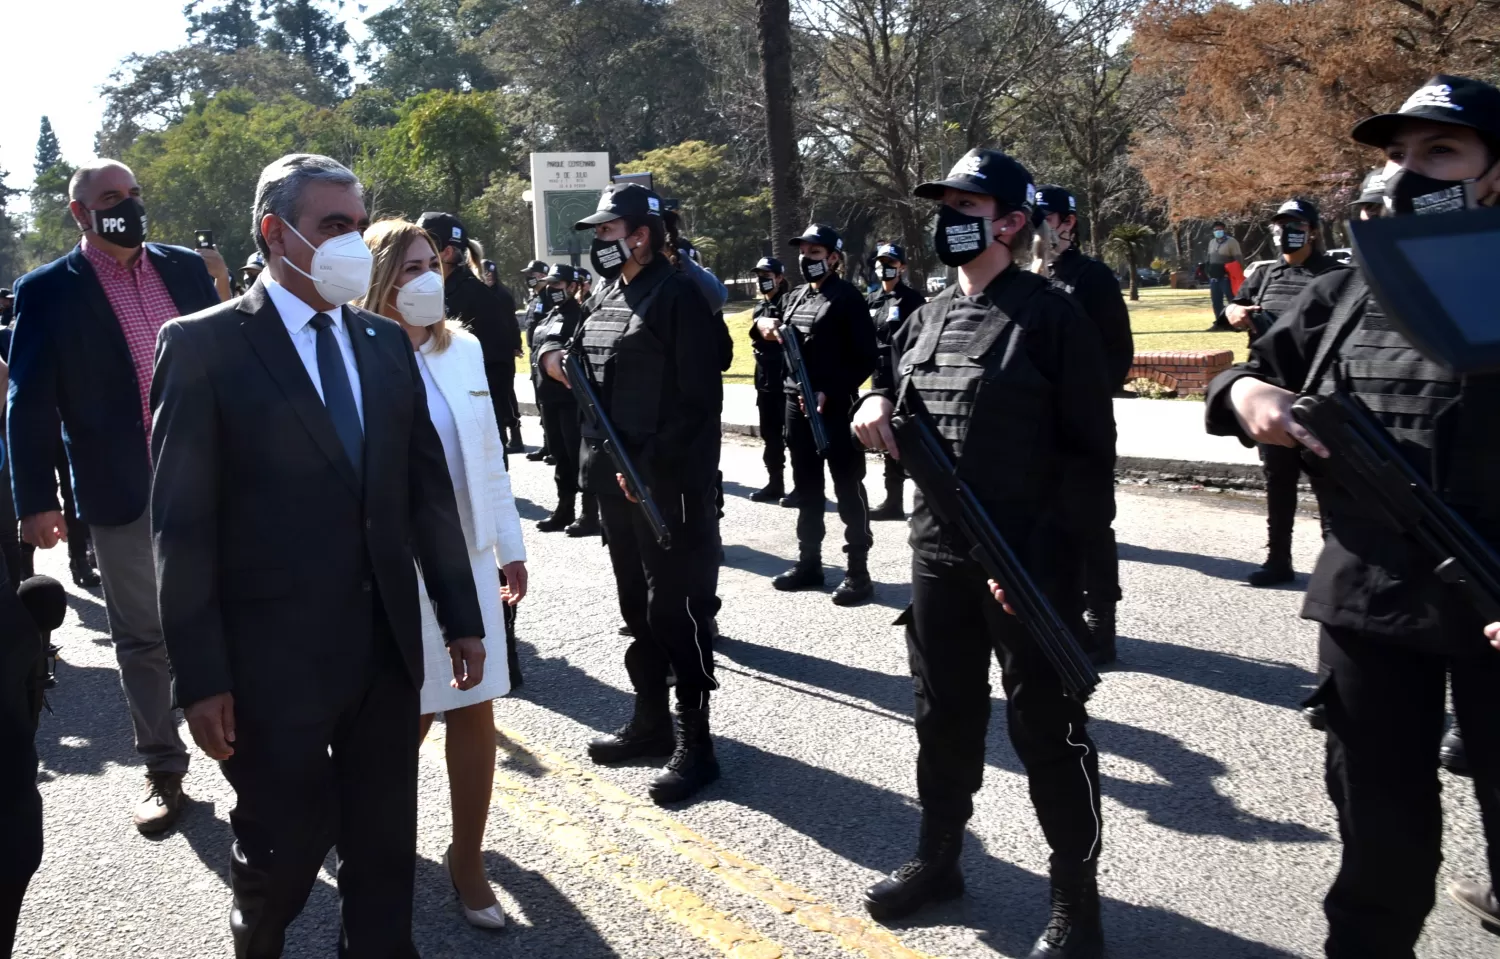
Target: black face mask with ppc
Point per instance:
(1289, 238)
(958, 237)
(123, 224)
(609, 257)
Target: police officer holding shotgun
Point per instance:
(1392, 632)
(651, 349)
(1012, 375)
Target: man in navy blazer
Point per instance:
(82, 353)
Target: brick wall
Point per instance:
(1186, 371)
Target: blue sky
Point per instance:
(56, 57)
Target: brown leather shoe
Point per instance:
(162, 805)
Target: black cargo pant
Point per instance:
(953, 627)
(666, 595)
(502, 380)
(846, 463)
(560, 423)
(772, 409)
(1282, 466)
(1385, 707)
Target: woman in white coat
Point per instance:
(407, 286)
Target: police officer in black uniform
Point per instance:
(489, 314)
(1263, 298)
(1371, 200)
(558, 291)
(839, 349)
(1097, 290)
(1392, 632)
(770, 377)
(251, 271)
(585, 288)
(890, 304)
(1012, 373)
(652, 350)
(531, 275)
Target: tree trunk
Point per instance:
(1135, 281)
(774, 20)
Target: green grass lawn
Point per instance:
(1163, 319)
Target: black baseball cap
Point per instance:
(584, 276)
(445, 228)
(991, 173)
(821, 234)
(561, 273)
(1055, 199)
(629, 201)
(769, 264)
(890, 251)
(1443, 99)
(1372, 190)
(1297, 209)
(5, 291)
(255, 262)
(535, 266)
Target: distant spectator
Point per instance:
(1223, 250)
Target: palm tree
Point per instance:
(1132, 243)
(774, 24)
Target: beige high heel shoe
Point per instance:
(490, 917)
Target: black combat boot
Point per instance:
(83, 574)
(1101, 626)
(1277, 569)
(793, 500)
(1074, 930)
(856, 587)
(1317, 717)
(561, 517)
(808, 573)
(692, 765)
(771, 492)
(1451, 753)
(931, 876)
(893, 508)
(649, 732)
(515, 444)
(537, 455)
(588, 523)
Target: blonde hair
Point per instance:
(476, 257)
(388, 240)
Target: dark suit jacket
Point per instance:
(270, 550)
(68, 357)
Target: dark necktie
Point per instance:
(338, 396)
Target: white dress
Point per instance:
(459, 404)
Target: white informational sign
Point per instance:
(565, 188)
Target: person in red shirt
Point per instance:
(82, 354)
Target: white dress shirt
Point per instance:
(297, 316)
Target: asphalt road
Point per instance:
(1219, 841)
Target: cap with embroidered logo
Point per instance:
(989, 172)
(561, 273)
(627, 201)
(535, 266)
(822, 234)
(890, 251)
(1459, 101)
(1052, 198)
(1372, 190)
(769, 264)
(1299, 210)
(444, 228)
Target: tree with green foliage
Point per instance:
(228, 27)
(452, 139)
(11, 259)
(726, 214)
(48, 150)
(1131, 243)
(303, 29)
(421, 45)
(53, 231)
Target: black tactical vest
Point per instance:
(971, 367)
(805, 309)
(630, 390)
(560, 325)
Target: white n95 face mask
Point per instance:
(340, 267)
(421, 300)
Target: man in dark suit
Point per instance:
(82, 353)
(297, 474)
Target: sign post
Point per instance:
(565, 188)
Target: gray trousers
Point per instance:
(129, 573)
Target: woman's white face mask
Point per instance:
(420, 301)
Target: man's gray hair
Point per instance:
(279, 191)
(81, 176)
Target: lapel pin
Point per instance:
(369, 331)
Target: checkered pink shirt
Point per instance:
(142, 305)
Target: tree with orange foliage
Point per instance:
(1266, 93)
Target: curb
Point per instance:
(1139, 470)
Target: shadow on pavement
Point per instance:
(1258, 680)
(91, 614)
(1219, 567)
(1186, 802)
(89, 725)
(877, 829)
(530, 510)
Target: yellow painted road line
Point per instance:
(855, 934)
(597, 856)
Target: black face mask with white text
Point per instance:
(123, 224)
(1289, 238)
(609, 257)
(556, 296)
(813, 271)
(766, 284)
(889, 271)
(959, 237)
(1410, 192)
